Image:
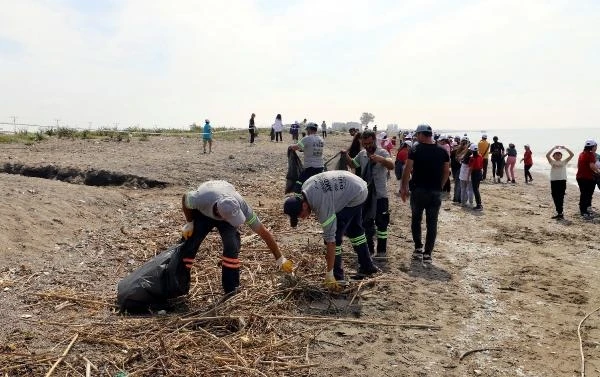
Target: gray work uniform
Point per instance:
(312, 146)
(330, 192)
(380, 172)
(204, 198)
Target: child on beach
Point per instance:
(558, 177)
(528, 160)
(511, 160)
(466, 190)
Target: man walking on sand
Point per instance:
(497, 151)
(429, 165)
(207, 136)
(374, 163)
(336, 198)
(484, 151)
(312, 145)
(216, 204)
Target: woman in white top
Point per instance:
(558, 177)
(278, 128)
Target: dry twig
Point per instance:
(581, 341)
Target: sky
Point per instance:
(471, 64)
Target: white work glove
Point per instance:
(330, 282)
(187, 230)
(285, 265)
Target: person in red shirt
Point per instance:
(528, 160)
(586, 168)
(476, 169)
(401, 157)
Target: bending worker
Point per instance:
(218, 204)
(336, 198)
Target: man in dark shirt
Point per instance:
(252, 129)
(429, 165)
(497, 152)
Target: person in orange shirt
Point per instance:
(484, 151)
(528, 160)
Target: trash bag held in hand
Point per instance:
(295, 169)
(337, 162)
(162, 278)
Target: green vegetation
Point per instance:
(124, 135)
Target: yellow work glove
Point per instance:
(187, 230)
(285, 265)
(331, 283)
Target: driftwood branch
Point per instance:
(581, 341)
(467, 353)
(66, 351)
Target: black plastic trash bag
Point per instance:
(337, 162)
(295, 169)
(162, 278)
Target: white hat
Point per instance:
(206, 121)
(590, 143)
(464, 138)
(230, 211)
(473, 147)
(526, 145)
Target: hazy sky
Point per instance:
(453, 64)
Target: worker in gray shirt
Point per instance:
(217, 204)
(374, 163)
(336, 198)
(312, 145)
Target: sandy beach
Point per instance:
(504, 297)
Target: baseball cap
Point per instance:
(292, 207)
(206, 121)
(473, 147)
(590, 143)
(312, 126)
(464, 138)
(423, 128)
(229, 209)
(484, 136)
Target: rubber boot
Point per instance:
(230, 278)
(338, 268)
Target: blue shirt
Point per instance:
(207, 132)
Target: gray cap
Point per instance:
(230, 211)
(423, 128)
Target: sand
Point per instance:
(509, 279)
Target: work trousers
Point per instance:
(230, 264)
(378, 226)
(349, 223)
(586, 192)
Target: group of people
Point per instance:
(276, 130)
(355, 203)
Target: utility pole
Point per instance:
(14, 118)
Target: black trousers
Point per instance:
(230, 264)
(485, 166)
(476, 176)
(378, 226)
(306, 174)
(278, 136)
(558, 189)
(324, 134)
(430, 202)
(586, 192)
(349, 223)
(498, 167)
(527, 173)
(252, 136)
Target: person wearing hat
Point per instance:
(429, 166)
(336, 198)
(586, 172)
(294, 130)
(483, 147)
(475, 169)
(374, 163)
(217, 204)
(558, 177)
(497, 152)
(312, 145)
(207, 136)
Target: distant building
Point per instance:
(345, 126)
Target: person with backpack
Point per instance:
(497, 152)
(217, 204)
